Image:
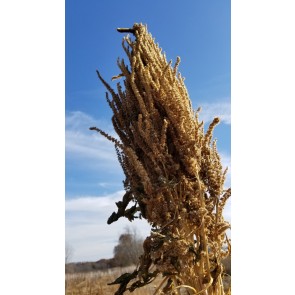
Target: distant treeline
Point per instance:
(102, 264)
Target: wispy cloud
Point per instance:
(89, 146)
(218, 109)
(92, 166)
(93, 204)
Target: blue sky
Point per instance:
(198, 32)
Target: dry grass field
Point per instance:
(96, 283)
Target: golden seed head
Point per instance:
(172, 167)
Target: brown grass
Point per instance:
(96, 283)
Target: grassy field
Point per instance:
(96, 283)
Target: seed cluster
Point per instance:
(174, 176)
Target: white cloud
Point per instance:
(78, 121)
(93, 204)
(87, 147)
(87, 230)
(92, 145)
(216, 109)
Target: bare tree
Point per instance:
(69, 251)
(129, 248)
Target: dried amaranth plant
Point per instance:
(174, 176)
